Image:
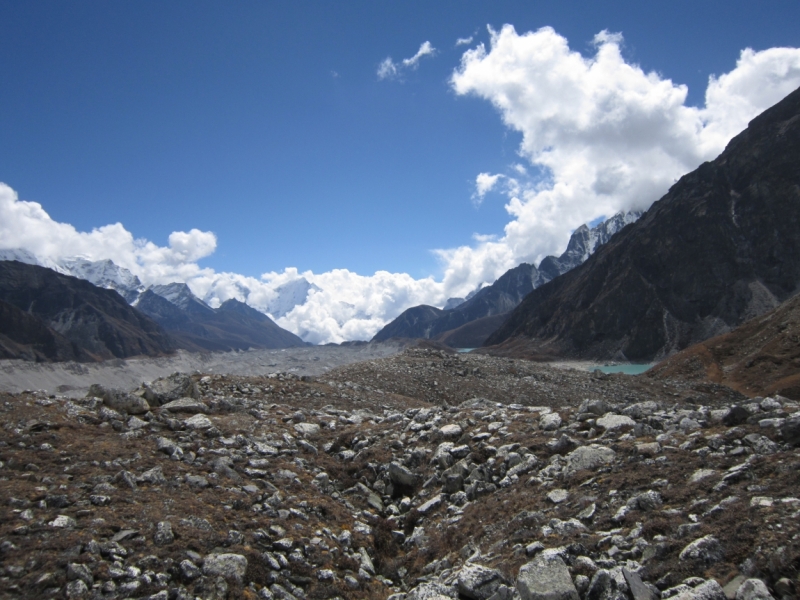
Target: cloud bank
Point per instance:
(599, 135)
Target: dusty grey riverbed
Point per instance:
(74, 379)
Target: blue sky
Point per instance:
(266, 122)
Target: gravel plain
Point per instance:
(73, 379)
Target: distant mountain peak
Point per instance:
(289, 295)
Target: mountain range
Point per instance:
(45, 315)
(470, 322)
(722, 246)
(196, 326)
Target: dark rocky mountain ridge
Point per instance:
(503, 295)
(49, 316)
(720, 247)
(197, 327)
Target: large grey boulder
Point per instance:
(400, 474)
(607, 585)
(790, 430)
(119, 401)
(478, 582)
(707, 550)
(431, 591)
(166, 389)
(612, 422)
(753, 589)
(710, 590)
(185, 405)
(228, 566)
(546, 577)
(589, 457)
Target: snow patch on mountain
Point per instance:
(104, 274)
(178, 294)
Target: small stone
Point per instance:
(612, 422)
(706, 550)
(185, 405)
(100, 500)
(198, 421)
(546, 577)
(478, 582)
(760, 502)
(307, 429)
(189, 570)
(154, 476)
(63, 522)
(197, 481)
(701, 474)
(557, 496)
(430, 505)
(550, 422)
(589, 457)
(648, 448)
(452, 431)
(163, 535)
(400, 474)
(80, 571)
(77, 589)
(753, 589)
(120, 401)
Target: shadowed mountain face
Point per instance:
(502, 296)
(49, 316)
(722, 246)
(196, 326)
(759, 358)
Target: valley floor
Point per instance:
(418, 475)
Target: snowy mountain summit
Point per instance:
(289, 295)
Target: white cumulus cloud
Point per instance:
(465, 41)
(484, 183)
(599, 135)
(389, 69)
(602, 134)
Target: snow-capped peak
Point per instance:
(289, 295)
(178, 294)
(105, 274)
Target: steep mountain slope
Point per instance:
(25, 336)
(503, 295)
(196, 326)
(105, 274)
(102, 273)
(759, 358)
(415, 322)
(722, 246)
(48, 315)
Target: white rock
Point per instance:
(550, 422)
(306, 429)
(557, 496)
(612, 422)
(589, 457)
(63, 522)
(198, 421)
(701, 474)
(451, 431)
(228, 566)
